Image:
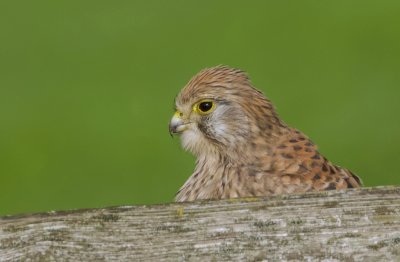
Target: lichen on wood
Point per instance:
(351, 225)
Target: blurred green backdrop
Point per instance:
(87, 87)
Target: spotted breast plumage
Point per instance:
(242, 147)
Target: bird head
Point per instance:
(220, 112)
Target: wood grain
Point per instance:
(353, 225)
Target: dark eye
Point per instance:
(205, 106)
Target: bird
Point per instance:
(242, 147)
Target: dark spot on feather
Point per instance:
(332, 170)
(267, 106)
(302, 168)
(281, 146)
(317, 176)
(302, 138)
(316, 156)
(332, 186)
(358, 180)
(349, 185)
(263, 125)
(297, 148)
(308, 144)
(293, 141)
(286, 155)
(324, 167)
(308, 150)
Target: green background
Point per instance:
(87, 90)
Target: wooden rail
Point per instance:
(353, 225)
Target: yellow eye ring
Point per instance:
(204, 107)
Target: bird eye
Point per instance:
(205, 107)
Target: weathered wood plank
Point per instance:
(354, 225)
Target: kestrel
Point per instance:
(242, 147)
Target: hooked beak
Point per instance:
(177, 124)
